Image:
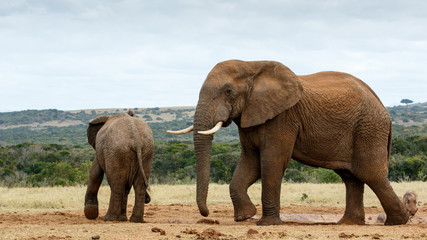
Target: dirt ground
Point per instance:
(184, 222)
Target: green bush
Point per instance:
(175, 162)
(403, 168)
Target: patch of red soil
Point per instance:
(71, 224)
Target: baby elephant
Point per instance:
(124, 148)
(410, 202)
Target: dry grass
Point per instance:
(72, 198)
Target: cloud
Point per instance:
(157, 53)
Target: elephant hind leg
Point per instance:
(96, 175)
(372, 168)
(393, 207)
(114, 212)
(141, 195)
(118, 194)
(354, 212)
(123, 215)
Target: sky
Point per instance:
(79, 54)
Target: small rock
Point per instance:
(252, 231)
(190, 231)
(156, 229)
(96, 237)
(283, 234)
(381, 218)
(210, 233)
(377, 236)
(208, 221)
(344, 235)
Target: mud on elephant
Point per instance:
(327, 119)
(124, 147)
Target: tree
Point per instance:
(406, 101)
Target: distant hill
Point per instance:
(414, 114)
(69, 127)
(57, 118)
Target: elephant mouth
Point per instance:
(227, 123)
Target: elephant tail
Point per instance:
(139, 155)
(141, 169)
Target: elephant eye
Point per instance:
(228, 92)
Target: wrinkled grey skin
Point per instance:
(124, 147)
(328, 119)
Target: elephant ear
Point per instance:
(274, 89)
(94, 126)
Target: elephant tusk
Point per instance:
(213, 130)
(183, 131)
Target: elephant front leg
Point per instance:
(273, 165)
(91, 198)
(246, 173)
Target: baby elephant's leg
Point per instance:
(140, 198)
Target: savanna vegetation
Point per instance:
(30, 164)
(39, 154)
(311, 194)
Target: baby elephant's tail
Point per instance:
(141, 169)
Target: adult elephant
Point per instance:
(124, 147)
(328, 119)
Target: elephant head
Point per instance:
(248, 93)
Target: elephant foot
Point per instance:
(264, 221)
(147, 198)
(134, 218)
(123, 218)
(351, 221)
(91, 211)
(244, 213)
(397, 219)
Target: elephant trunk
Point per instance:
(202, 148)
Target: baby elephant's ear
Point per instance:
(94, 126)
